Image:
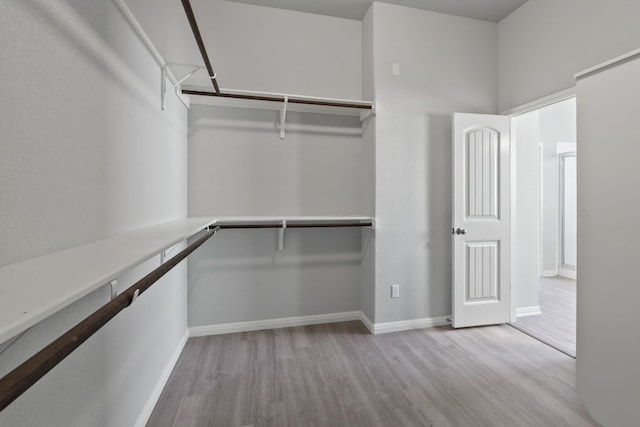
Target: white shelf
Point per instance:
(34, 289)
(277, 106)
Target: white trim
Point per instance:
(569, 273)
(541, 102)
(367, 323)
(608, 64)
(144, 38)
(406, 325)
(288, 322)
(513, 180)
(528, 311)
(549, 273)
(284, 322)
(145, 414)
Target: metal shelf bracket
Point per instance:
(176, 85)
(283, 116)
(281, 235)
(114, 288)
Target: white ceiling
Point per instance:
(487, 10)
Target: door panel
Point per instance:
(481, 220)
(481, 153)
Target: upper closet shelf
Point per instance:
(34, 289)
(276, 101)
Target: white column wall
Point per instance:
(608, 341)
(447, 65)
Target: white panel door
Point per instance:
(481, 220)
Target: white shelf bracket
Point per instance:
(135, 296)
(182, 80)
(176, 86)
(114, 288)
(163, 89)
(281, 235)
(283, 116)
(365, 116)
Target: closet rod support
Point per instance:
(182, 80)
(114, 288)
(281, 235)
(163, 88)
(365, 116)
(283, 116)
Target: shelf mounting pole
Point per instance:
(283, 116)
(281, 235)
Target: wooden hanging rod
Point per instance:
(19, 380)
(291, 224)
(203, 51)
(279, 99)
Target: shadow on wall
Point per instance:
(99, 47)
(438, 163)
(241, 276)
(263, 120)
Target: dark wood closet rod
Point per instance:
(28, 373)
(297, 225)
(278, 99)
(203, 51)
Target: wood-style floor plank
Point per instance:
(340, 375)
(557, 323)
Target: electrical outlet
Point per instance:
(395, 291)
(395, 69)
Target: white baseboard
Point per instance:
(406, 325)
(288, 322)
(528, 311)
(284, 322)
(367, 322)
(569, 273)
(549, 273)
(144, 416)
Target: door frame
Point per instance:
(564, 269)
(512, 113)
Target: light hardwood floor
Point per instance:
(557, 323)
(340, 375)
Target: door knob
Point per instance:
(461, 231)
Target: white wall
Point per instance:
(608, 341)
(87, 153)
(545, 42)
(448, 64)
(557, 124)
(276, 50)
(526, 200)
(368, 272)
(238, 165)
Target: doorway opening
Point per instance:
(544, 217)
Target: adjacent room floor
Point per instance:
(340, 375)
(557, 323)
